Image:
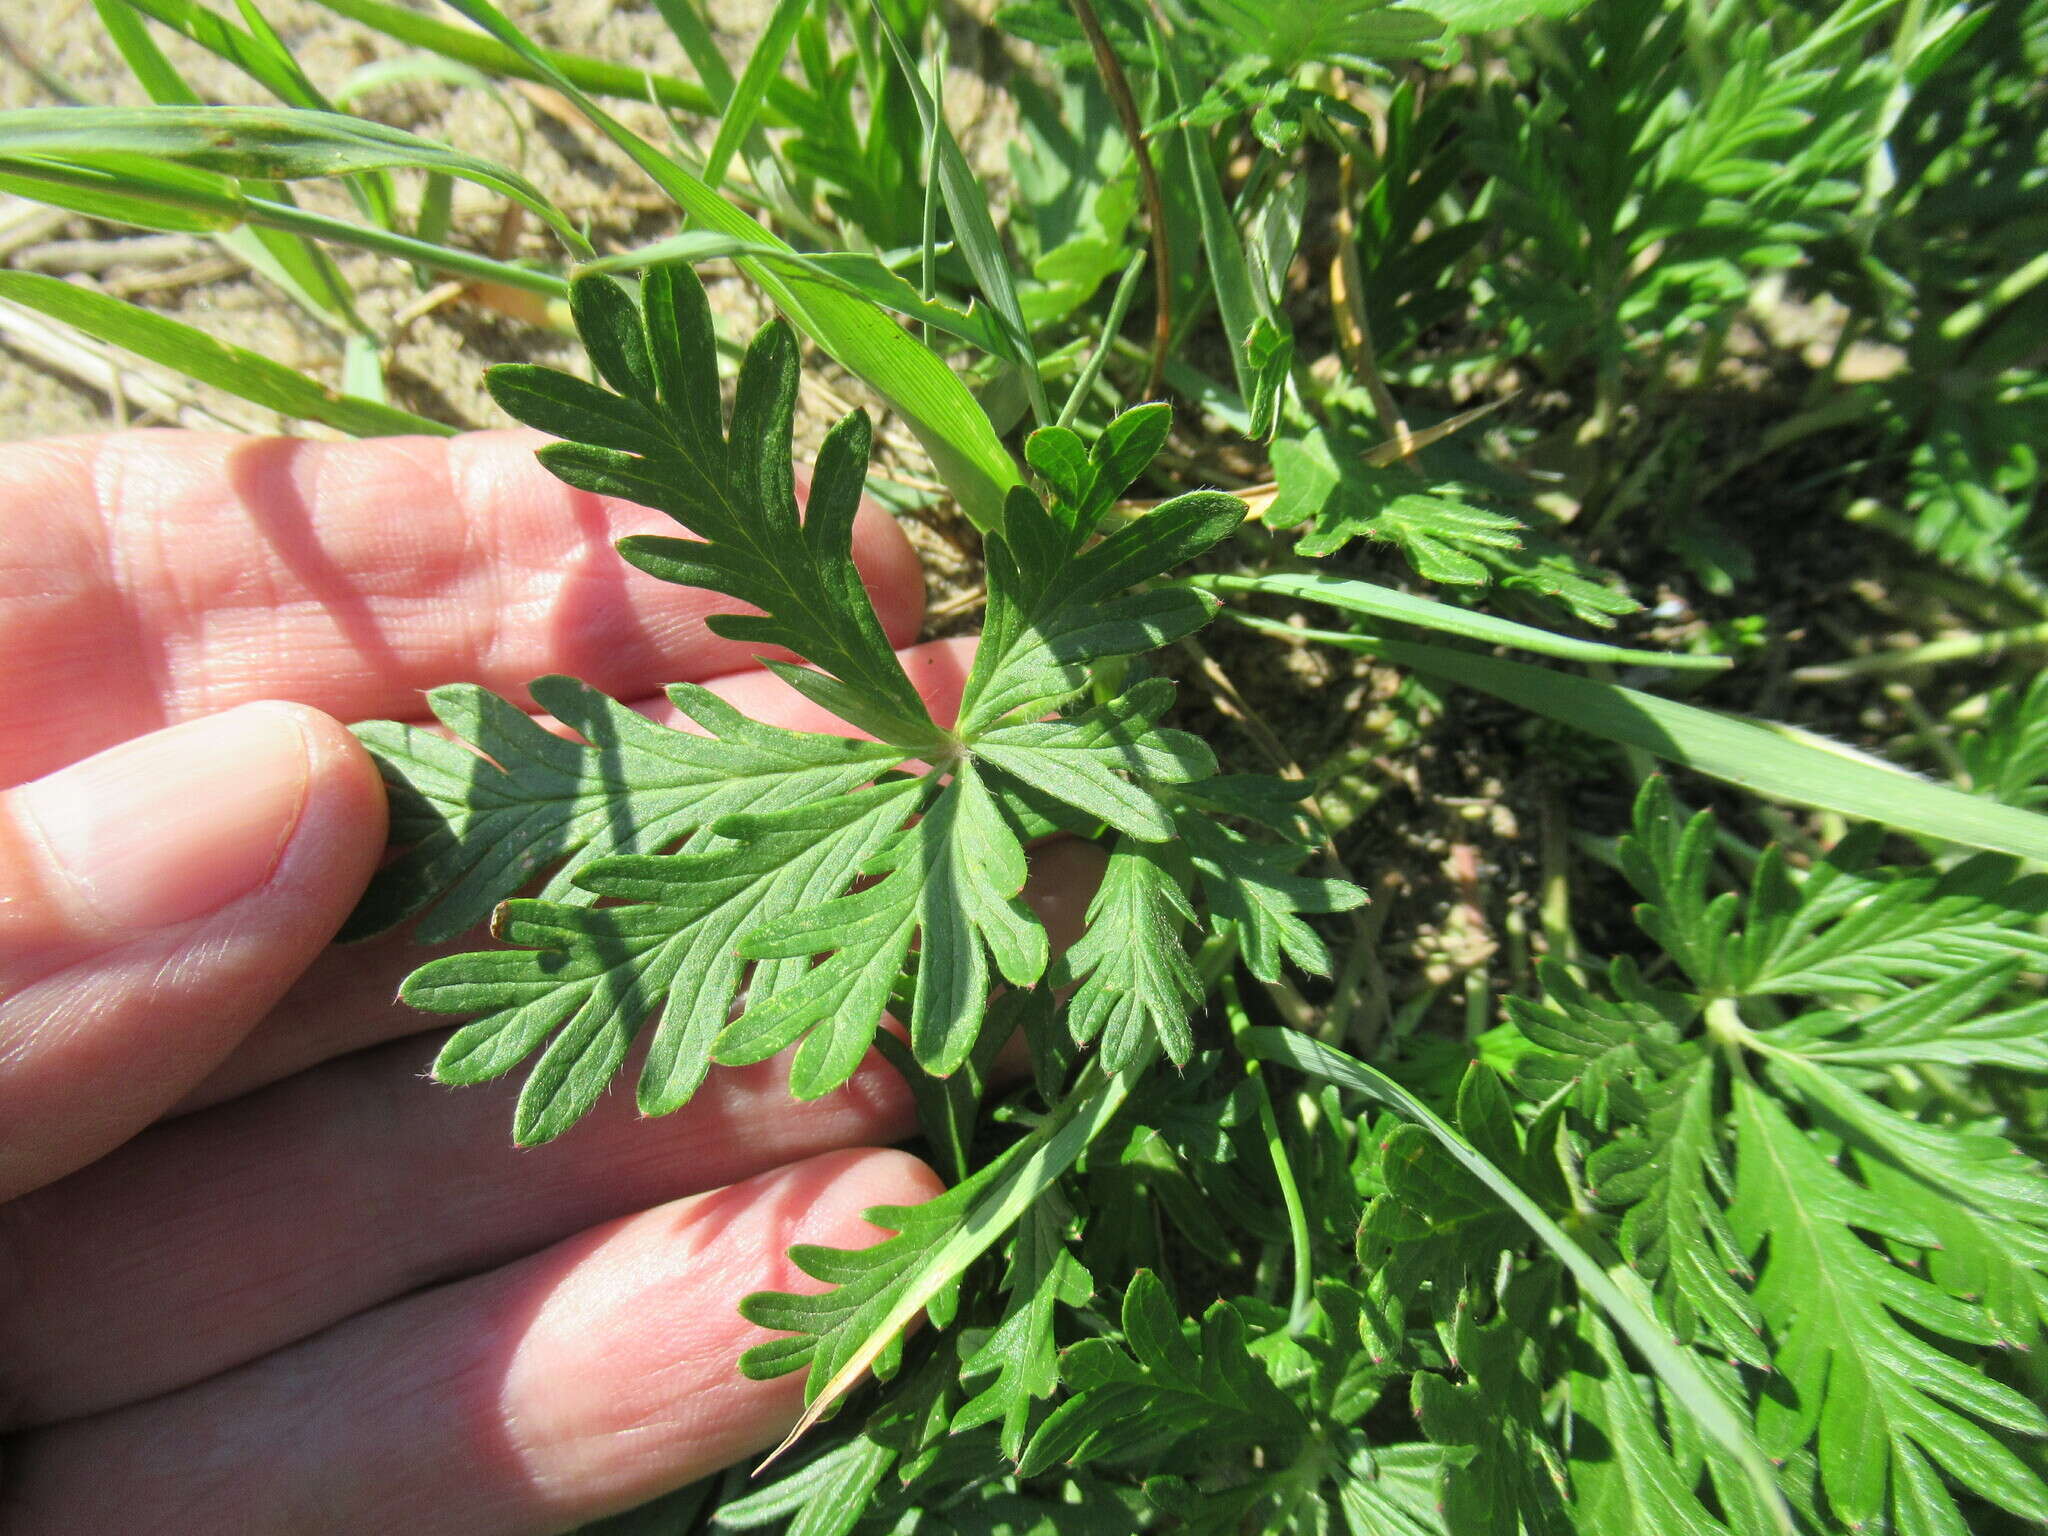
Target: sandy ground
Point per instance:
(434, 361)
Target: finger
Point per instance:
(342, 1189)
(568, 1386)
(151, 577)
(346, 1000)
(155, 901)
(351, 1184)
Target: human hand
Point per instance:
(255, 1274)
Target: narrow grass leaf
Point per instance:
(263, 143)
(967, 203)
(1774, 762)
(1371, 600)
(743, 107)
(199, 356)
(949, 421)
(1674, 1367)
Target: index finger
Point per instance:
(150, 577)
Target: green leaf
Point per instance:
(1683, 1378)
(1130, 1403)
(1671, 1181)
(1862, 1377)
(952, 882)
(1370, 600)
(1467, 16)
(1984, 1202)
(655, 438)
(1254, 886)
(743, 106)
(257, 143)
(967, 204)
(1944, 1022)
(591, 977)
(1778, 762)
(240, 372)
(1843, 926)
(1042, 1276)
(1330, 482)
(876, 1292)
(1137, 984)
(1040, 633)
(603, 77)
(823, 1497)
(951, 424)
(1624, 1478)
(1328, 31)
(1078, 760)
(486, 813)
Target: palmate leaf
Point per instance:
(1040, 633)
(1081, 760)
(876, 1292)
(952, 881)
(1254, 886)
(1846, 925)
(1509, 1479)
(1625, 1480)
(1945, 1022)
(1986, 1204)
(750, 843)
(592, 976)
(1326, 478)
(486, 814)
(1862, 1373)
(1672, 1182)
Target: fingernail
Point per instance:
(175, 824)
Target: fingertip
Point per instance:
(850, 1184)
(342, 828)
(891, 572)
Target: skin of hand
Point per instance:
(256, 1273)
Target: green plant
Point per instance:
(1708, 1198)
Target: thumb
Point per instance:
(155, 901)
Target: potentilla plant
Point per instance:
(1737, 1227)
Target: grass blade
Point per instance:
(973, 229)
(1259, 348)
(1377, 602)
(1773, 761)
(743, 107)
(258, 52)
(298, 266)
(1034, 1164)
(199, 356)
(1681, 1376)
(949, 421)
(259, 143)
(542, 66)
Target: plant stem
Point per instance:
(1283, 1168)
(1933, 653)
(1118, 85)
(1091, 370)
